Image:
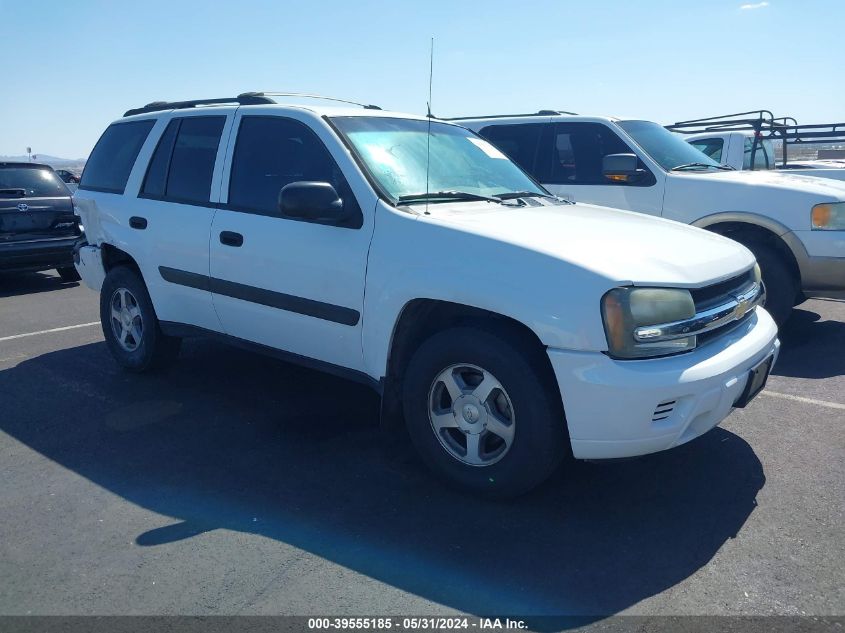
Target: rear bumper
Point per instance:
(88, 260)
(628, 408)
(37, 254)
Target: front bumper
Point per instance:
(37, 254)
(627, 408)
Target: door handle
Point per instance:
(230, 238)
(137, 222)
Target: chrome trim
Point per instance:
(733, 310)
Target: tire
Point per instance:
(68, 273)
(523, 436)
(779, 281)
(133, 335)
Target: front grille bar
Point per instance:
(707, 320)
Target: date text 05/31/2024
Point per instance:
(412, 624)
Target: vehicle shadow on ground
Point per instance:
(15, 284)
(230, 440)
(811, 347)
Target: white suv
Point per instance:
(794, 225)
(506, 325)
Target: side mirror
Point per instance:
(621, 168)
(314, 201)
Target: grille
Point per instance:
(710, 296)
(663, 410)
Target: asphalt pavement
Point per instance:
(238, 484)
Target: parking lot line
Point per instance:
(56, 329)
(821, 403)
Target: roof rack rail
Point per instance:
(764, 125)
(510, 116)
(158, 106)
(757, 120)
(303, 95)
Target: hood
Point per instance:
(622, 246)
(815, 186)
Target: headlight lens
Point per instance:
(626, 309)
(829, 216)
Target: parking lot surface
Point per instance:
(237, 484)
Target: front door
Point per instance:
(284, 282)
(575, 152)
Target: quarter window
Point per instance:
(114, 155)
(272, 152)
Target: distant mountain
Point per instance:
(43, 158)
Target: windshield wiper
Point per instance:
(686, 166)
(447, 195)
(510, 195)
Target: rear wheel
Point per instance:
(780, 282)
(481, 412)
(130, 325)
(68, 273)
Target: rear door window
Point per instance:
(182, 166)
(520, 142)
(762, 156)
(113, 157)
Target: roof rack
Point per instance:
(303, 95)
(158, 106)
(757, 120)
(764, 125)
(246, 98)
(510, 116)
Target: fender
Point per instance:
(743, 217)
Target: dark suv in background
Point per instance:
(37, 226)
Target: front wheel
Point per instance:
(482, 412)
(130, 325)
(779, 281)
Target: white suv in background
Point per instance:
(794, 225)
(505, 324)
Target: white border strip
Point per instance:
(57, 329)
(821, 403)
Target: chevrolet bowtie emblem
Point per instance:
(742, 308)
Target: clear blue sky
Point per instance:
(71, 67)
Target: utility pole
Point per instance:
(29, 153)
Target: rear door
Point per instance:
(171, 218)
(34, 204)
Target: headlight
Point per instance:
(626, 309)
(829, 216)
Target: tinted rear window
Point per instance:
(32, 182)
(192, 159)
(114, 155)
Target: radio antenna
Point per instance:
(428, 109)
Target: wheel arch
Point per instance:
(745, 227)
(419, 319)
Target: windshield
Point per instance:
(395, 153)
(668, 149)
(34, 182)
